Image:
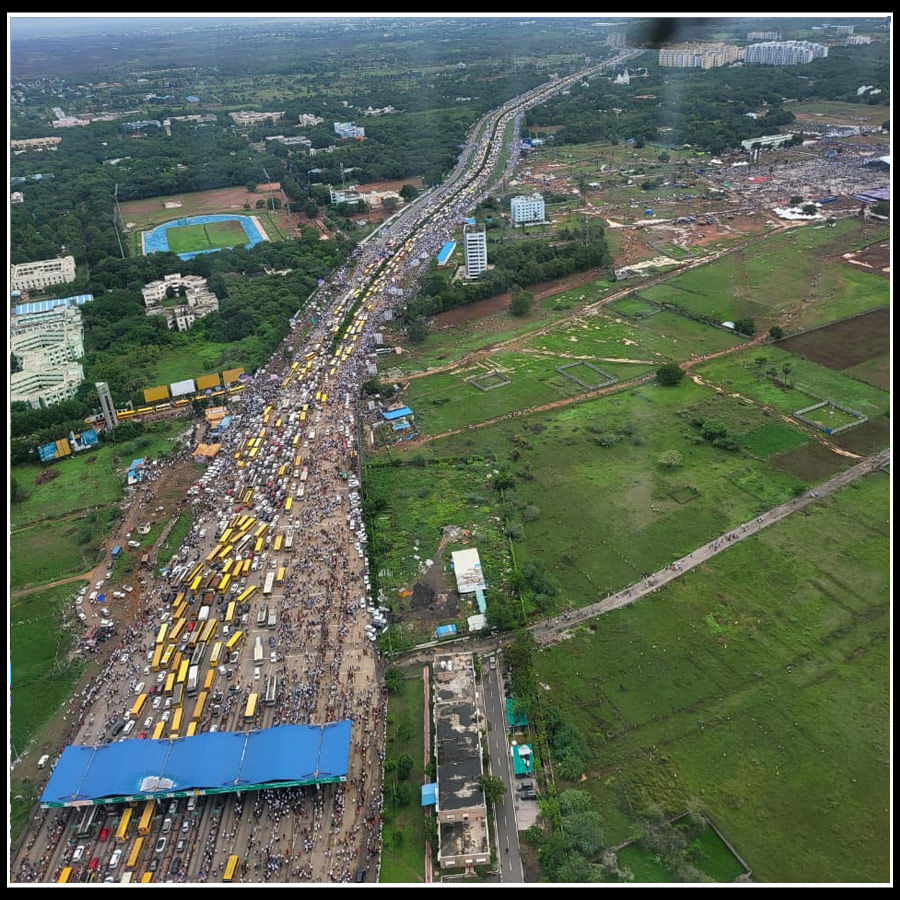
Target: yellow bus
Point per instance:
(192, 729)
(197, 714)
(175, 727)
(157, 657)
(226, 535)
(210, 678)
(135, 852)
(146, 818)
(177, 695)
(161, 634)
(146, 878)
(158, 730)
(246, 594)
(245, 569)
(287, 505)
(250, 709)
(64, 875)
(229, 613)
(225, 552)
(295, 441)
(223, 584)
(259, 545)
(231, 867)
(279, 538)
(324, 395)
(197, 570)
(226, 569)
(181, 611)
(209, 631)
(138, 705)
(196, 582)
(216, 654)
(298, 461)
(267, 414)
(234, 640)
(122, 829)
(254, 453)
(170, 682)
(263, 528)
(182, 671)
(213, 554)
(176, 631)
(262, 433)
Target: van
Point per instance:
(166, 825)
(43, 760)
(114, 859)
(79, 852)
(192, 803)
(129, 726)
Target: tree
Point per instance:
(786, 370)
(745, 326)
(664, 157)
(251, 186)
(405, 765)
(522, 302)
(409, 192)
(493, 788)
(670, 459)
(417, 330)
(796, 200)
(881, 208)
(310, 209)
(16, 492)
(393, 681)
(389, 203)
(669, 375)
(809, 209)
(776, 332)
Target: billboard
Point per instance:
(230, 375)
(47, 452)
(63, 448)
(207, 381)
(156, 393)
(180, 388)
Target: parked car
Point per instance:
(160, 845)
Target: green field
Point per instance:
(403, 855)
(795, 278)
(756, 687)
(809, 382)
(212, 236)
(51, 551)
(87, 480)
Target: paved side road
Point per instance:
(547, 632)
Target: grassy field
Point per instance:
(809, 382)
(55, 550)
(756, 686)
(795, 278)
(403, 856)
(90, 479)
(213, 236)
(41, 633)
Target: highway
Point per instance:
(283, 468)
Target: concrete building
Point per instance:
(460, 806)
(763, 36)
(307, 120)
(699, 56)
(476, 250)
(766, 141)
(36, 276)
(248, 117)
(348, 130)
(39, 143)
(47, 346)
(524, 209)
(198, 300)
(107, 407)
(784, 53)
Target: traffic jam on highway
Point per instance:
(265, 614)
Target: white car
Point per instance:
(157, 702)
(149, 720)
(166, 715)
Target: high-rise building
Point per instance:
(784, 53)
(476, 250)
(526, 209)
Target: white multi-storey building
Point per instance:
(784, 53)
(44, 273)
(47, 346)
(524, 209)
(348, 130)
(476, 250)
(199, 300)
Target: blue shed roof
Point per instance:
(392, 414)
(206, 763)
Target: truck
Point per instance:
(116, 552)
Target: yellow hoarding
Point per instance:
(230, 375)
(156, 393)
(207, 381)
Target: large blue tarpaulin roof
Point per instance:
(25, 309)
(392, 414)
(206, 763)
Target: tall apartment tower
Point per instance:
(106, 405)
(476, 250)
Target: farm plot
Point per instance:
(756, 688)
(808, 382)
(859, 347)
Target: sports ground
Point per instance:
(191, 236)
